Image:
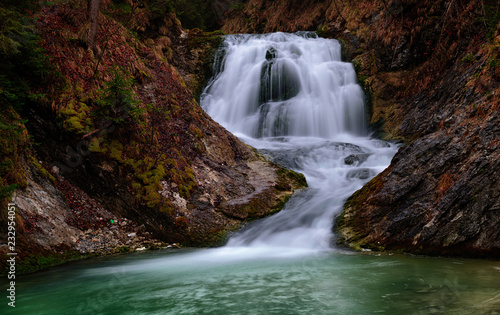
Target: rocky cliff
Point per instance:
(431, 72)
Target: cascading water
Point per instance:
(291, 97)
(284, 85)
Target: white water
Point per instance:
(285, 85)
(291, 97)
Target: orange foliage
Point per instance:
(444, 184)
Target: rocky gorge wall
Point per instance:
(431, 73)
(122, 156)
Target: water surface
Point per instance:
(216, 281)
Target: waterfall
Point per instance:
(284, 85)
(293, 98)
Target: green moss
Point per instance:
(200, 148)
(74, 124)
(362, 81)
(76, 114)
(148, 182)
(42, 170)
(40, 261)
(280, 204)
(195, 131)
(347, 236)
(469, 58)
(14, 143)
(166, 207)
(115, 151)
(299, 178)
(123, 249)
(95, 145)
(214, 238)
(324, 32)
(69, 111)
(347, 224)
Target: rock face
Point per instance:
(49, 228)
(431, 74)
(62, 217)
(441, 194)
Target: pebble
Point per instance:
(107, 239)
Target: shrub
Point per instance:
(118, 101)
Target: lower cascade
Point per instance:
(291, 97)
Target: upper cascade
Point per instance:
(283, 84)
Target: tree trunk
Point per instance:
(93, 18)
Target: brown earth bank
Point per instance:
(431, 70)
(121, 157)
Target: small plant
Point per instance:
(192, 13)
(469, 58)
(494, 63)
(118, 100)
(490, 18)
(123, 249)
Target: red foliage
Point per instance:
(169, 108)
(30, 222)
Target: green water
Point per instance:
(225, 281)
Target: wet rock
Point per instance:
(440, 192)
(363, 173)
(270, 54)
(356, 158)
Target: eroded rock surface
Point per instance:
(441, 194)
